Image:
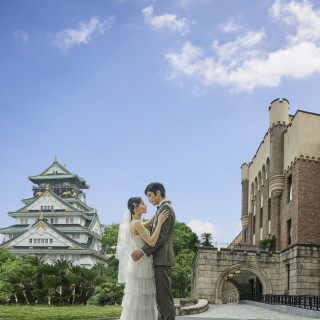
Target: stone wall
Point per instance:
(211, 268)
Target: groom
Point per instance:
(163, 256)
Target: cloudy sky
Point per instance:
(126, 92)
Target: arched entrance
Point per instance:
(241, 279)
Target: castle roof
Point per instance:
(57, 172)
(32, 205)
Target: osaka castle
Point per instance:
(56, 223)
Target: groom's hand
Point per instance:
(136, 255)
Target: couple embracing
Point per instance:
(146, 259)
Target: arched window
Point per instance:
(268, 169)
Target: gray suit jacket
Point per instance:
(163, 254)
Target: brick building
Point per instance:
(281, 198)
(281, 185)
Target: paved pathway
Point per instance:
(241, 311)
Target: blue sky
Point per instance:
(129, 92)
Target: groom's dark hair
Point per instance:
(154, 186)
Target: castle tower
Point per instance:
(279, 119)
(245, 201)
(56, 222)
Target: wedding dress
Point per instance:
(139, 301)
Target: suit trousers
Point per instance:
(163, 278)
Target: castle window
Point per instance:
(289, 184)
(245, 235)
(288, 276)
(289, 231)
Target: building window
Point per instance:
(67, 220)
(289, 183)
(51, 220)
(51, 207)
(51, 240)
(30, 240)
(71, 220)
(55, 220)
(288, 277)
(261, 217)
(289, 231)
(254, 224)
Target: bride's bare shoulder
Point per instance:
(136, 223)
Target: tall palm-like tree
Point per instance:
(36, 264)
(206, 239)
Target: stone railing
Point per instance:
(190, 306)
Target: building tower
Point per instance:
(278, 121)
(56, 223)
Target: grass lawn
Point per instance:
(18, 312)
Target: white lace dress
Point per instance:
(139, 300)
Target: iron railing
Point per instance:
(306, 302)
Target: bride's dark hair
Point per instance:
(132, 203)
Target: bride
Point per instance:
(139, 301)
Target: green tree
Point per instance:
(185, 244)
(181, 275)
(110, 237)
(184, 238)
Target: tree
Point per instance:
(206, 239)
(185, 244)
(181, 275)
(184, 238)
(110, 237)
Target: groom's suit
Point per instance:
(163, 261)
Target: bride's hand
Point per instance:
(163, 216)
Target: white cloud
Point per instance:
(68, 38)
(22, 35)
(166, 21)
(242, 65)
(230, 26)
(200, 227)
